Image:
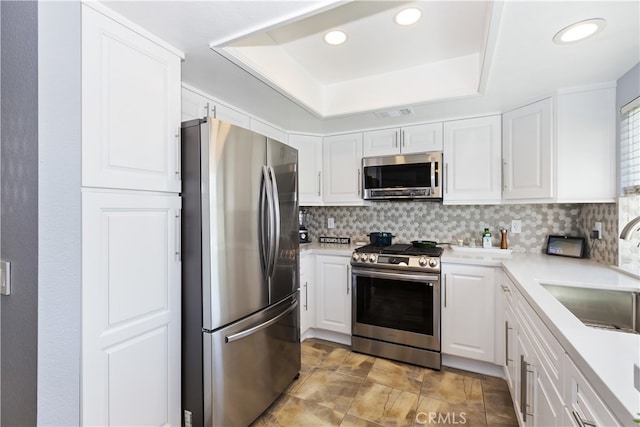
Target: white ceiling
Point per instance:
(521, 63)
(439, 57)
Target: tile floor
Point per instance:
(340, 388)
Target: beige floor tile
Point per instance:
(497, 421)
(453, 388)
(330, 389)
(497, 400)
(356, 365)
(384, 405)
(397, 375)
(351, 421)
(292, 412)
(433, 412)
(335, 358)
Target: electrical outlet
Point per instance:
(516, 226)
(331, 223)
(597, 230)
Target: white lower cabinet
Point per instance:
(333, 293)
(468, 315)
(546, 386)
(307, 273)
(130, 308)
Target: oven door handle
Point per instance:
(399, 276)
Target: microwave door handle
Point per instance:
(433, 177)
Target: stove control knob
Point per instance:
(372, 258)
(356, 257)
(433, 262)
(422, 261)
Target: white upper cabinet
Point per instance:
(341, 159)
(267, 130)
(527, 152)
(197, 106)
(309, 168)
(472, 160)
(409, 139)
(586, 145)
(130, 108)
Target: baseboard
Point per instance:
(336, 337)
(470, 365)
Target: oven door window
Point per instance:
(415, 175)
(395, 304)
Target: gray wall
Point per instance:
(19, 200)
(59, 203)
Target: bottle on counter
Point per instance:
(486, 238)
(503, 240)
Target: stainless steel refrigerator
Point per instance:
(240, 331)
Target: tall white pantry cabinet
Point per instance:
(130, 225)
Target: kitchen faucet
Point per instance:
(631, 226)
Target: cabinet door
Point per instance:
(468, 312)
(586, 146)
(130, 309)
(341, 161)
(307, 296)
(130, 108)
(309, 168)
(549, 406)
(194, 105)
(472, 160)
(333, 292)
(527, 152)
(421, 138)
(381, 142)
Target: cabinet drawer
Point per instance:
(549, 350)
(582, 401)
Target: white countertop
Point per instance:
(605, 358)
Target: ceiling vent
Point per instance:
(407, 111)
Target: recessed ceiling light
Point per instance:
(579, 31)
(408, 16)
(335, 37)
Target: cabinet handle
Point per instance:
(359, 191)
(505, 288)
(395, 139)
(402, 141)
(178, 155)
(446, 178)
(306, 296)
(319, 182)
(178, 235)
(206, 110)
(581, 422)
(523, 388)
(506, 342)
(348, 278)
(445, 291)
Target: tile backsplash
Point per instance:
(446, 223)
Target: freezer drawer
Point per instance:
(247, 365)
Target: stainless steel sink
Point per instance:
(600, 308)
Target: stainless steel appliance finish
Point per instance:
(411, 176)
(396, 303)
(240, 279)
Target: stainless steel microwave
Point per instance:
(412, 176)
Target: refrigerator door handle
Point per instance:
(242, 334)
(275, 200)
(264, 222)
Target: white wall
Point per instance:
(59, 213)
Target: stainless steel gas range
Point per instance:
(396, 303)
